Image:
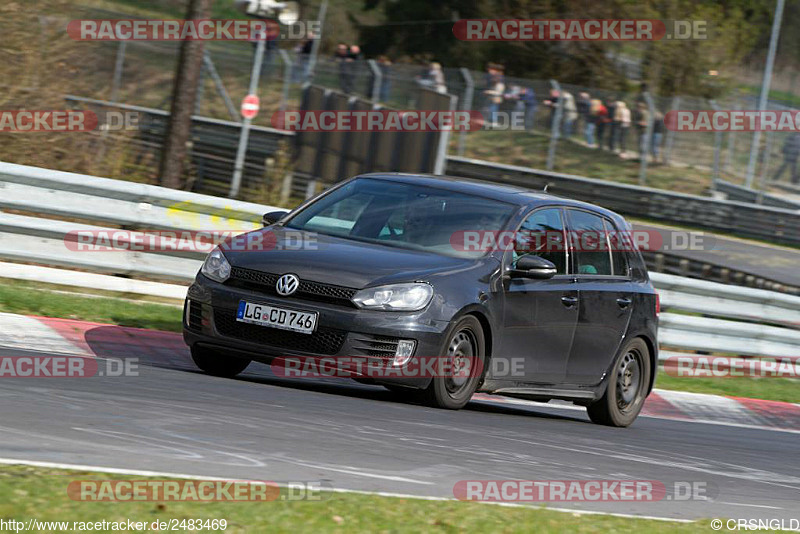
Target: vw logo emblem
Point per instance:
(287, 284)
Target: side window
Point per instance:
(619, 249)
(542, 234)
(589, 241)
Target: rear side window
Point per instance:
(542, 234)
(589, 241)
(619, 249)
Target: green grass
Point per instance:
(30, 299)
(530, 150)
(777, 389)
(41, 493)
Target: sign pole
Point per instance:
(236, 182)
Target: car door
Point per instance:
(540, 315)
(605, 295)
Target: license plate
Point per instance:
(283, 318)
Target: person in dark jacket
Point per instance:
(791, 151)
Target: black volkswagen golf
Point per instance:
(537, 290)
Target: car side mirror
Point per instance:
(531, 266)
(272, 217)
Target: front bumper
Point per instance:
(342, 331)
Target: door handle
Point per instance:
(569, 301)
(624, 303)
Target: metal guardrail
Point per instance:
(738, 320)
(745, 220)
(740, 193)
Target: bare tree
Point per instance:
(184, 93)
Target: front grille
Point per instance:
(195, 315)
(322, 341)
(308, 290)
(380, 347)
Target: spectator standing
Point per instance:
(622, 116)
(570, 113)
(602, 121)
(433, 78)
(791, 151)
(658, 135)
(494, 91)
(584, 111)
(594, 122)
(552, 103)
(342, 58)
(528, 99)
(642, 117)
(302, 55)
(611, 123)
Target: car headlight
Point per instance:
(399, 297)
(216, 266)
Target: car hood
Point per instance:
(338, 261)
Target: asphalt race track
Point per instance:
(768, 261)
(357, 437)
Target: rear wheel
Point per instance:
(627, 387)
(218, 364)
(465, 347)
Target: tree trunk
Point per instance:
(184, 93)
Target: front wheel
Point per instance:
(465, 347)
(217, 364)
(627, 387)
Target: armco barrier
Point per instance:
(743, 219)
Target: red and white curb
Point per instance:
(166, 349)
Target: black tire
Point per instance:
(465, 339)
(217, 364)
(628, 384)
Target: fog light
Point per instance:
(405, 349)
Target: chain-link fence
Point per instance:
(140, 73)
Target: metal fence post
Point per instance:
(287, 79)
(238, 168)
(765, 168)
(201, 86)
(555, 127)
(118, 66)
(763, 97)
(312, 61)
(644, 148)
(212, 70)
(676, 102)
(731, 144)
(444, 139)
(717, 150)
(377, 79)
(466, 105)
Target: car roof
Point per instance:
(511, 194)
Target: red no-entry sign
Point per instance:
(250, 106)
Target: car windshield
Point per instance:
(403, 215)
